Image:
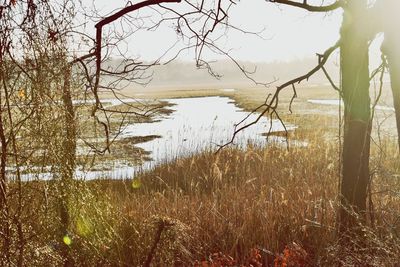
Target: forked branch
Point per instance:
(270, 105)
(99, 28)
(322, 59)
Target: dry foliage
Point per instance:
(258, 207)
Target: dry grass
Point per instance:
(238, 200)
(267, 198)
(232, 202)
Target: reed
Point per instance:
(240, 206)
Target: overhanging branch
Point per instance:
(270, 106)
(322, 59)
(99, 27)
(311, 8)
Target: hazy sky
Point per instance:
(290, 33)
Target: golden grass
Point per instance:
(238, 200)
(231, 202)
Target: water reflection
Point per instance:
(198, 124)
(195, 125)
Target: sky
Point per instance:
(288, 34)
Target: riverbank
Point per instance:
(237, 206)
(260, 205)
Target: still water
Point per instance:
(198, 124)
(195, 124)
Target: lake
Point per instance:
(196, 124)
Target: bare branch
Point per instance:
(99, 28)
(311, 8)
(322, 59)
(271, 106)
(381, 69)
(131, 8)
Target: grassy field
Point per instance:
(258, 206)
(269, 206)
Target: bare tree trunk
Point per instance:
(68, 164)
(357, 126)
(386, 18)
(394, 69)
(13, 143)
(391, 48)
(4, 212)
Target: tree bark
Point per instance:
(391, 48)
(69, 162)
(357, 126)
(394, 70)
(4, 209)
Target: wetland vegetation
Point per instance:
(108, 158)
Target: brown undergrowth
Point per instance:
(238, 200)
(268, 206)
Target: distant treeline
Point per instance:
(185, 73)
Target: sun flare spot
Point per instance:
(136, 184)
(67, 240)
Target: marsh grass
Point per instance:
(266, 198)
(269, 198)
(237, 200)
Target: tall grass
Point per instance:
(232, 202)
(237, 200)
